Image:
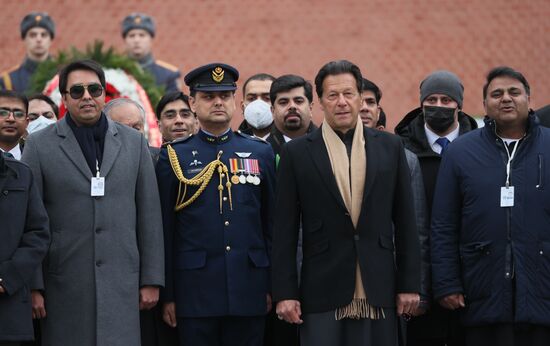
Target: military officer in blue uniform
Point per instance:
(217, 190)
(138, 32)
(37, 33)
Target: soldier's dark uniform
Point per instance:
(18, 77)
(217, 247)
(165, 74)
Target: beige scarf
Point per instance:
(352, 194)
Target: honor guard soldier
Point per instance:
(138, 32)
(37, 32)
(217, 191)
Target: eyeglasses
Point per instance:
(48, 115)
(184, 113)
(17, 113)
(77, 90)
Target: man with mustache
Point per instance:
(37, 32)
(426, 131)
(291, 103)
(490, 240)
(291, 99)
(97, 180)
(216, 193)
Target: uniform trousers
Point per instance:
(322, 329)
(222, 331)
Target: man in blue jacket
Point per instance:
(490, 221)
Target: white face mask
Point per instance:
(258, 114)
(38, 124)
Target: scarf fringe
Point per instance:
(359, 308)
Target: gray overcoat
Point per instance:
(103, 249)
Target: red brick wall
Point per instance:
(396, 43)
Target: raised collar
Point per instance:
(212, 139)
(29, 65)
(147, 60)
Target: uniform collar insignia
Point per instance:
(209, 138)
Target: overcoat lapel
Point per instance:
(373, 150)
(111, 149)
(69, 145)
(321, 160)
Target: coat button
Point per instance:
(5, 192)
(225, 199)
(541, 252)
(98, 263)
(98, 230)
(226, 223)
(356, 236)
(228, 248)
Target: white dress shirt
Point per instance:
(432, 137)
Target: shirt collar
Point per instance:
(432, 136)
(15, 151)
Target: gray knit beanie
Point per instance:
(442, 82)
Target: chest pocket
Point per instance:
(12, 192)
(247, 194)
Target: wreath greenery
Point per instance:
(108, 58)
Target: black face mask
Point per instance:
(439, 119)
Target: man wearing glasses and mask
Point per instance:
(105, 261)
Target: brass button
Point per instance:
(225, 199)
(223, 175)
(228, 248)
(226, 223)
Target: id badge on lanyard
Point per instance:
(98, 184)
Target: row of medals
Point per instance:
(242, 179)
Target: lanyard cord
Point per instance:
(510, 158)
(97, 169)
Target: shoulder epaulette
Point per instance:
(166, 65)
(7, 79)
(178, 140)
(254, 138)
